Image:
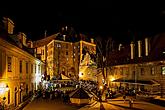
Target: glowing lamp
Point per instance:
(101, 87)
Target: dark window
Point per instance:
(26, 88)
(66, 46)
(142, 71)
(66, 53)
(27, 67)
(8, 96)
(35, 68)
(32, 68)
(133, 75)
(9, 61)
(20, 66)
(42, 52)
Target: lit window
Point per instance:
(163, 70)
(74, 47)
(126, 71)
(39, 68)
(121, 71)
(67, 59)
(58, 45)
(152, 71)
(74, 54)
(9, 64)
(50, 53)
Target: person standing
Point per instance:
(131, 103)
(124, 97)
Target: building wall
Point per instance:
(50, 58)
(135, 72)
(87, 49)
(64, 57)
(19, 83)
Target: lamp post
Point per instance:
(3, 90)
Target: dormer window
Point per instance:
(58, 45)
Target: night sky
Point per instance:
(120, 20)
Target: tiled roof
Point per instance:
(45, 40)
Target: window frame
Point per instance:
(9, 63)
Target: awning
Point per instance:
(140, 82)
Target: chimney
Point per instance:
(9, 25)
(146, 46)
(22, 37)
(132, 50)
(92, 40)
(139, 48)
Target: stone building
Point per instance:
(20, 71)
(63, 53)
(139, 65)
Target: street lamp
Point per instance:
(101, 87)
(80, 75)
(3, 88)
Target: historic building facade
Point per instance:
(20, 71)
(63, 56)
(139, 66)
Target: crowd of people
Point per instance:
(57, 94)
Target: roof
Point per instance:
(45, 40)
(80, 93)
(141, 82)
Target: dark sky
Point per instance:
(112, 18)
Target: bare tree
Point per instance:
(104, 47)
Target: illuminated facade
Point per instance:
(20, 71)
(88, 67)
(139, 66)
(65, 57)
